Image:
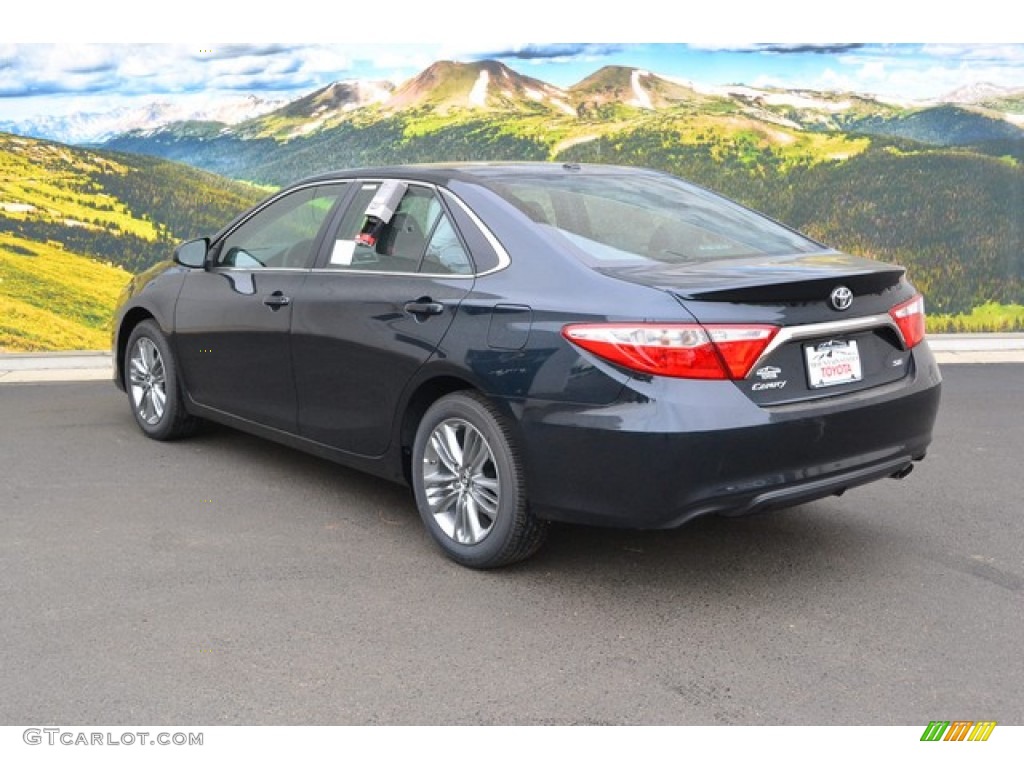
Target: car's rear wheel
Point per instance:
(467, 476)
(151, 379)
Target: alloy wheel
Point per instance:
(461, 481)
(148, 381)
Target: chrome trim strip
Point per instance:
(382, 273)
(259, 270)
(799, 332)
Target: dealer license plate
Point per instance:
(833, 362)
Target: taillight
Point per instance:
(909, 316)
(681, 350)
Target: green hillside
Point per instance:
(225, 155)
(953, 218)
(945, 125)
(52, 299)
(75, 223)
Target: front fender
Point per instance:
(149, 295)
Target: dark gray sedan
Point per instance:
(523, 343)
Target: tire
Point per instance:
(151, 380)
(467, 476)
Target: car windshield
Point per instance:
(633, 218)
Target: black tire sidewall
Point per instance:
(492, 550)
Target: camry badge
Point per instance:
(841, 297)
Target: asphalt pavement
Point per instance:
(228, 580)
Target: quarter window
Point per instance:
(445, 254)
(283, 234)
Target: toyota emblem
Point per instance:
(841, 297)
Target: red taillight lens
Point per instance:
(688, 351)
(741, 345)
(909, 316)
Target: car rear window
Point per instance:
(632, 218)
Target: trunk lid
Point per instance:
(825, 346)
(771, 280)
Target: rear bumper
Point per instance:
(672, 450)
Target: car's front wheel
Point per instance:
(467, 476)
(151, 379)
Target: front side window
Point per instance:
(418, 238)
(281, 235)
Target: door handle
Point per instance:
(424, 307)
(276, 300)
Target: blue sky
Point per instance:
(397, 40)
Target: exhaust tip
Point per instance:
(901, 473)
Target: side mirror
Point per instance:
(192, 253)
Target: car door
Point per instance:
(232, 320)
(371, 315)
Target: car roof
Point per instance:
(476, 172)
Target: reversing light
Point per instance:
(680, 350)
(741, 345)
(909, 317)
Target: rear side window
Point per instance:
(635, 218)
(419, 238)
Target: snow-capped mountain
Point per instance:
(314, 111)
(481, 85)
(490, 88)
(631, 87)
(976, 93)
(97, 127)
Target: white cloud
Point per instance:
(127, 69)
(1002, 53)
(872, 71)
(913, 72)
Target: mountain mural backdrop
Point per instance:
(937, 186)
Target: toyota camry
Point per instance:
(527, 343)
